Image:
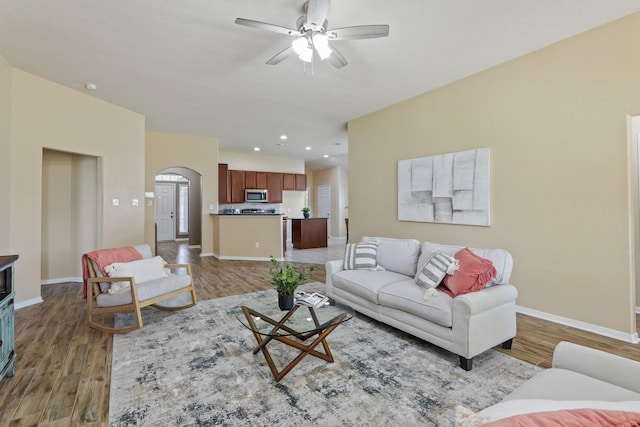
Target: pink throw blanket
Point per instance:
(105, 257)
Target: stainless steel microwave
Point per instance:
(253, 196)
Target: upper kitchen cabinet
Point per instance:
(301, 182)
(254, 179)
(274, 186)
(237, 186)
(294, 181)
(224, 190)
(288, 181)
(261, 180)
(250, 179)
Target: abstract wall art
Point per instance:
(448, 188)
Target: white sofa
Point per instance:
(466, 325)
(580, 378)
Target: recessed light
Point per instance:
(307, 148)
(256, 149)
(325, 156)
(283, 137)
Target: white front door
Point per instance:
(324, 204)
(165, 211)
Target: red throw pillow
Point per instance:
(474, 273)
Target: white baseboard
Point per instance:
(589, 327)
(245, 258)
(60, 280)
(194, 246)
(203, 254)
(27, 303)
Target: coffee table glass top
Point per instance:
(300, 321)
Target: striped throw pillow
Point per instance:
(361, 256)
(434, 270)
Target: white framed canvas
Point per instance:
(448, 188)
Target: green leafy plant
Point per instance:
(285, 279)
(306, 209)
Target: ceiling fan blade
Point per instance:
(317, 11)
(267, 27)
(281, 56)
(358, 32)
(336, 59)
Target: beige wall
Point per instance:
(200, 154)
(47, 115)
(556, 123)
(5, 149)
(260, 162)
(337, 177)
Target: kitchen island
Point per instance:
(309, 233)
(253, 237)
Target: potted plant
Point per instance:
(285, 279)
(305, 211)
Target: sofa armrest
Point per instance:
(486, 299)
(331, 267)
(598, 364)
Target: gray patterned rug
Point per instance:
(195, 368)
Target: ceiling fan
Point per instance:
(311, 35)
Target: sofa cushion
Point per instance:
(558, 384)
(501, 259)
(398, 255)
(361, 256)
(474, 273)
(366, 283)
(146, 290)
(408, 297)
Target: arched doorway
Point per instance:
(194, 196)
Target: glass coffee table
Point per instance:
(293, 327)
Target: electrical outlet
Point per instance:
(135, 202)
(257, 244)
(116, 202)
(149, 202)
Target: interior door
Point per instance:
(165, 211)
(324, 204)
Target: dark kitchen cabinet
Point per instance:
(301, 182)
(274, 187)
(288, 181)
(250, 179)
(237, 186)
(224, 190)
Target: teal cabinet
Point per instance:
(7, 352)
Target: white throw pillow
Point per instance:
(143, 270)
(433, 271)
(361, 256)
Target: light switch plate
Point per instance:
(135, 202)
(116, 202)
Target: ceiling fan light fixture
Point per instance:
(321, 43)
(302, 47)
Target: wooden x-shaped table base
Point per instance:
(321, 330)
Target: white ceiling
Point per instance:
(189, 69)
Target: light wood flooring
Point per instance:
(63, 368)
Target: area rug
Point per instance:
(195, 368)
